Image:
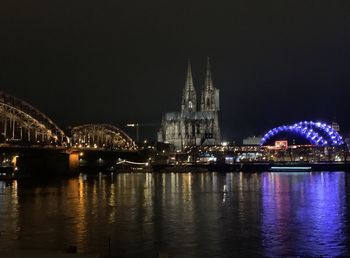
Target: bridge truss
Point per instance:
(22, 123)
(101, 136)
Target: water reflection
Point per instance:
(304, 214)
(181, 214)
(9, 214)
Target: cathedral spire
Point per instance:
(189, 79)
(208, 83)
(210, 95)
(189, 102)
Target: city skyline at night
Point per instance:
(274, 63)
(174, 128)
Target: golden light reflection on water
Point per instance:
(81, 222)
(11, 222)
(112, 202)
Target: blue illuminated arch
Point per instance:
(317, 133)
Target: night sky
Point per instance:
(118, 61)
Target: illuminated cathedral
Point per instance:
(196, 124)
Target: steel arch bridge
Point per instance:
(22, 123)
(317, 133)
(104, 136)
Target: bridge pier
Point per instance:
(43, 162)
(74, 162)
(47, 163)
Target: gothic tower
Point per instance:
(210, 103)
(189, 100)
(210, 95)
(193, 127)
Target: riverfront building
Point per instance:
(196, 124)
(252, 140)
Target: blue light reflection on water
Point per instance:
(304, 213)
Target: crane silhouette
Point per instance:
(138, 125)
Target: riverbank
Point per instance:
(252, 167)
(9, 174)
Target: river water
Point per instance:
(180, 214)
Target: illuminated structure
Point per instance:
(193, 126)
(22, 123)
(101, 136)
(317, 133)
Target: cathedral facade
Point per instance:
(198, 122)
